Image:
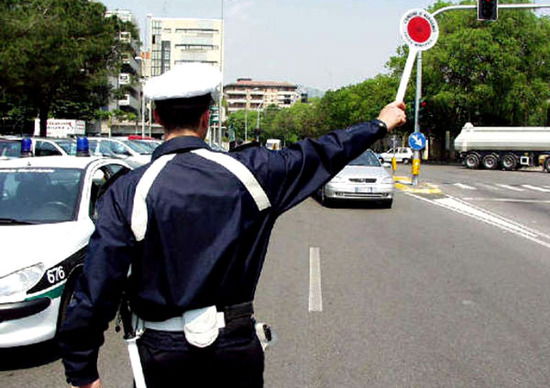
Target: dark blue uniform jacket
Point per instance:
(206, 239)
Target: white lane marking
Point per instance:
(481, 199)
(510, 187)
(536, 188)
(489, 187)
(315, 294)
(483, 215)
(463, 186)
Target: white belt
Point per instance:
(177, 323)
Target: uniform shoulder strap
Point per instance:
(241, 172)
(139, 211)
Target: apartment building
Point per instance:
(128, 80)
(174, 41)
(257, 95)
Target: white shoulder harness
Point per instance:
(139, 212)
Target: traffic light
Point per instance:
(422, 107)
(487, 9)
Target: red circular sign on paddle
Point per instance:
(419, 29)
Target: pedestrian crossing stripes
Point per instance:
(463, 186)
(510, 187)
(536, 188)
(501, 187)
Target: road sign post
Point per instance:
(420, 31)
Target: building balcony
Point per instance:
(129, 102)
(124, 79)
(237, 101)
(129, 61)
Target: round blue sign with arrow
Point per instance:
(417, 141)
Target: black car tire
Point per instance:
(547, 164)
(406, 161)
(387, 204)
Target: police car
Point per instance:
(47, 211)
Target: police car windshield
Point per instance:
(38, 195)
(10, 149)
(366, 159)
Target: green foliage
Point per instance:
(56, 55)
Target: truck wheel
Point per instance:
(509, 162)
(472, 161)
(490, 162)
(547, 164)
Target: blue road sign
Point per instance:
(417, 141)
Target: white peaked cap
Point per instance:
(184, 81)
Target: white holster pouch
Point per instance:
(202, 326)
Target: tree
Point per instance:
(54, 50)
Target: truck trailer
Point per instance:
(508, 148)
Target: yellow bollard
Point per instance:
(416, 167)
(394, 164)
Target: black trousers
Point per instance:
(234, 360)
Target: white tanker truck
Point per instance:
(508, 148)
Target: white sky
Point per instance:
(324, 44)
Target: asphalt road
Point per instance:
(427, 294)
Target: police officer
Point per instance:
(186, 236)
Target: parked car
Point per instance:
(134, 154)
(363, 179)
(402, 155)
(47, 212)
(41, 146)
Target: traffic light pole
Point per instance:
(418, 97)
(416, 156)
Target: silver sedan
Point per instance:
(363, 179)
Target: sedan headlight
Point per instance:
(387, 180)
(14, 286)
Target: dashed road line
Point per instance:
(315, 294)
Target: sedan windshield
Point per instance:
(366, 159)
(38, 195)
(139, 148)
